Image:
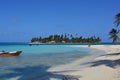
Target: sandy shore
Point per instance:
(104, 67)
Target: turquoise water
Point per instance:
(35, 60)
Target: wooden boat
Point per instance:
(15, 53)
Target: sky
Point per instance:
(21, 20)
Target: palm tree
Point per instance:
(117, 19)
(114, 35)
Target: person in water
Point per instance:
(3, 51)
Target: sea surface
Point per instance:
(35, 60)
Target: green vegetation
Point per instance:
(117, 19)
(65, 39)
(114, 32)
(114, 35)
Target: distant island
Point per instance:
(66, 38)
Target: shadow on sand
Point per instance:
(109, 63)
(115, 54)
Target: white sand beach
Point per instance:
(104, 67)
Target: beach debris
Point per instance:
(70, 77)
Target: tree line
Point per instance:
(65, 39)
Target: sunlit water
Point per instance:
(35, 60)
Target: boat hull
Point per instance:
(17, 53)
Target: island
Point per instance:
(64, 39)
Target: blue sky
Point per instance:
(20, 20)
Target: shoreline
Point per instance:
(83, 68)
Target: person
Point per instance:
(3, 51)
(89, 45)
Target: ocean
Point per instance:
(35, 60)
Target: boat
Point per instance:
(14, 53)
